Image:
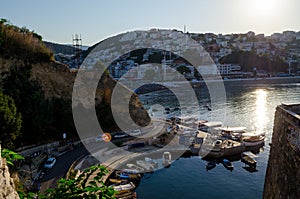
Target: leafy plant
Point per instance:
(10, 156)
(80, 187)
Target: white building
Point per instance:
(227, 69)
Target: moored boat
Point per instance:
(144, 164)
(131, 171)
(227, 164)
(151, 162)
(129, 186)
(210, 165)
(133, 166)
(115, 181)
(128, 195)
(123, 175)
(253, 139)
(248, 158)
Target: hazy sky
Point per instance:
(98, 19)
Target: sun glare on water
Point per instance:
(261, 102)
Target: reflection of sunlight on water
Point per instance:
(260, 112)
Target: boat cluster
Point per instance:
(213, 141)
(246, 157)
(127, 179)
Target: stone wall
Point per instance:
(283, 173)
(7, 187)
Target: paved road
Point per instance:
(61, 167)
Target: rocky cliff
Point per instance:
(7, 186)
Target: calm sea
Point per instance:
(252, 106)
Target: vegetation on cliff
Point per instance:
(43, 119)
(22, 43)
(10, 121)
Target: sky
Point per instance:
(96, 20)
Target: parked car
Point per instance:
(50, 162)
(136, 132)
(120, 135)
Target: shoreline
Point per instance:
(159, 86)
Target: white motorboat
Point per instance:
(253, 139)
(125, 187)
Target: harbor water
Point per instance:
(252, 106)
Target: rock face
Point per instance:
(283, 172)
(7, 186)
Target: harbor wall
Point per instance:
(283, 172)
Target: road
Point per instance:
(61, 167)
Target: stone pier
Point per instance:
(283, 173)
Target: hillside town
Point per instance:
(275, 55)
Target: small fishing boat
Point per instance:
(133, 166)
(166, 159)
(129, 186)
(144, 164)
(131, 171)
(210, 165)
(115, 181)
(151, 162)
(129, 195)
(248, 158)
(227, 164)
(253, 139)
(123, 175)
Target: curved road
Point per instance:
(61, 167)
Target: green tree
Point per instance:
(10, 121)
(150, 74)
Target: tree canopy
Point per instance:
(10, 121)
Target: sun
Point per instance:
(264, 7)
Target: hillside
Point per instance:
(60, 48)
(42, 91)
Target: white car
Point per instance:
(50, 162)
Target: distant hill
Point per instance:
(60, 48)
(66, 49)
